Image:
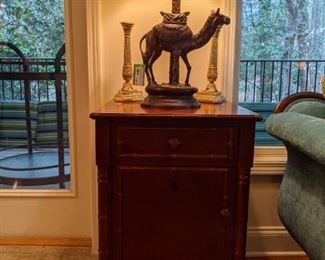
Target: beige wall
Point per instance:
(61, 217)
(266, 235)
(263, 200)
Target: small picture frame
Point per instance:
(138, 75)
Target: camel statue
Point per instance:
(174, 36)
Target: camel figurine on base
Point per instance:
(174, 36)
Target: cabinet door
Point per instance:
(165, 213)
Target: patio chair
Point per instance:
(299, 121)
(13, 127)
(46, 129)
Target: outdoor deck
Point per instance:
(41, 164)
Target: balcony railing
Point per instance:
(271, 80)
(40, 73)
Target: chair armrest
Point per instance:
(303, 132)
(289, 101)
(308, 107)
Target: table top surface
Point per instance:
(134, 109)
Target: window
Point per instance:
(282, 52)
(34, 143)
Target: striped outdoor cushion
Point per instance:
(13, 130)
(46, 131)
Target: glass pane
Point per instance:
(34, 143)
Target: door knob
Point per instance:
(226, 213)
(174, 143)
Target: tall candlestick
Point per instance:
(213, 64)
(211, 93)
(127, 93)
(127, 67)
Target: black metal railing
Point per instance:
(272, 80)
(40, 74)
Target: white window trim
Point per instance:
(269, 160)
(95, 98)
(231, 56)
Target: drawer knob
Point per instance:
(225, 213)
(174, 143)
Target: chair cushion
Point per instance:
(46, 131)
(13, 130)
(308, 107)
(303, 132)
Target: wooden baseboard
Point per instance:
(279, 258)
(271, 241)
(86, 242)
(31, 241)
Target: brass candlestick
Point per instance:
(127, 92)
(211, 93)
(323, 85)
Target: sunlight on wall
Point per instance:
(112, 12)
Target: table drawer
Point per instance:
(188, 145)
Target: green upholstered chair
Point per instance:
(299, 121)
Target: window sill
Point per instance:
(269, 160)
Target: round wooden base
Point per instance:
(170, 97)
